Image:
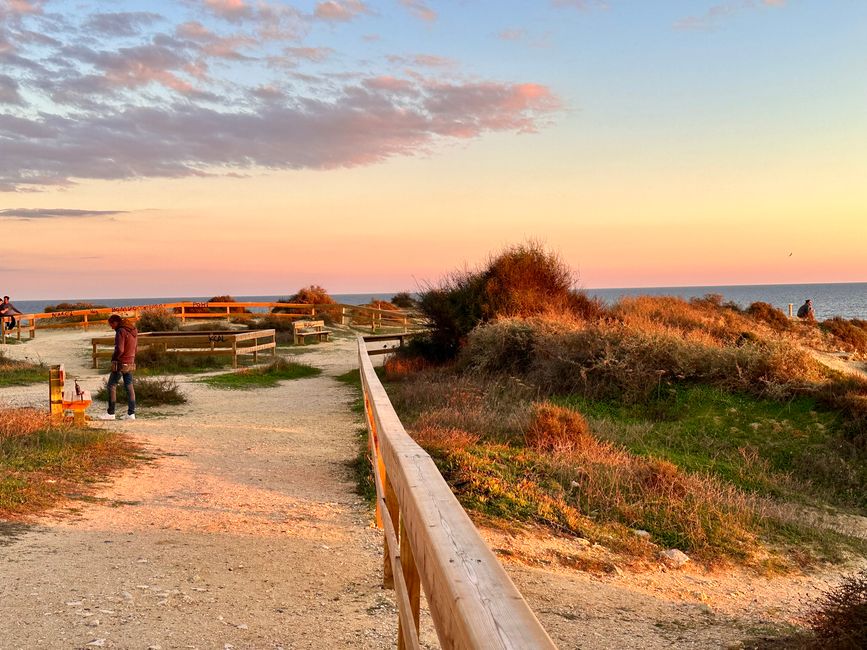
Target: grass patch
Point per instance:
(262, 376)
(790, 450)
(509, 456)
(150, 361)
(360, 466)
(21, 373)
(149, 391)
(41, 464)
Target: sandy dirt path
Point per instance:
(244, 531)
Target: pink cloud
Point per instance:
(420, 10)
(718, 12)
(230, 9)
(340, 10)
(380, 118)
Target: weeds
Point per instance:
(262, 376)
(40, 463)
(153, 361)
(149, 391)
(21, 373)
(158, 320)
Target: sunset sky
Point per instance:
(201, 147)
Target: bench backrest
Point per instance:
(308, 325)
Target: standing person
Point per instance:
(122, 365)
(805, 311)
(6, 311)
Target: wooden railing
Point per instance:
(344, 314)
(430, 542)
(193, 343)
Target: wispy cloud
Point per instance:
(365, 123)
(54, 213)
(225, 87)
(420, 10)
(718, 12)
(340, 10)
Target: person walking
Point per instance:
(6, 311)
(122, 366)
(805, 311)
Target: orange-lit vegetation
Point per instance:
(692, 420)
(41, 463)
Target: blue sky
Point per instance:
(663, 125)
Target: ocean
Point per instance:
(848, 300)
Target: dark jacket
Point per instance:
(125, 343)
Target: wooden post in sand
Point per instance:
(55, 392)
(791, 310)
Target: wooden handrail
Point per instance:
(377, 316)
(473, 602)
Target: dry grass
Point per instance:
(18, 373)
(851, 334)
(839, 619)
(158, 320)
(41, 464)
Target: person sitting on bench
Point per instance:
(6, 311)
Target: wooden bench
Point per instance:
(303, 329)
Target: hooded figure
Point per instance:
(122, 366)
(805, 311)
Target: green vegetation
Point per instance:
(148, 392)
(151, 361)
(708, 426)
(20, 373)
(41, 463)
(261, 376)
(789, 450)
(360, 466)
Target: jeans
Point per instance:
(113, 381)
(10, 323)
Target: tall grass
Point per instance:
(19, 373)
(40, 463)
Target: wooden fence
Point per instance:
(234, 343)
(344, 314)
(430, 542)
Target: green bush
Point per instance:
(403, 300)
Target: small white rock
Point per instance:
(673, 557)
(97, 642)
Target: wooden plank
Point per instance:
(473, 602)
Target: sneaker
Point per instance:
(128, 416)
(106, 416)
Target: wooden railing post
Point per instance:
(413, 582)
(393, 509)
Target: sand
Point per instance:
(244, 531)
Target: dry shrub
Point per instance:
(558, 429)
(850, 335)
(398, 367)
(382, 304)
(769, 315)
(158, 320)
(21, 422)
(610, 360)
(522, 280)
(312, 295)
(149, 391)
(840, 617)
(199, 309)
